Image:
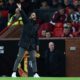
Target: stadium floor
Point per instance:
(41, 78)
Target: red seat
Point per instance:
(58, 30)
(5, 13)
(45, 26)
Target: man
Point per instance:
(68, 30)
(48, 34)
(59, 16)
(16, 19)
(58, 19)
(11, 6)
(28, 41)
(54, 61)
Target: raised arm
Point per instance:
(23, 14)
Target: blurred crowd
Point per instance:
(64, 20)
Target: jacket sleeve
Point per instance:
(37, 40)
(54, 18)
(24, 16)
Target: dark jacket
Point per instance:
(54, 63)
(58, 18)
(29, 37)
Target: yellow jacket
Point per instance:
(17, 21)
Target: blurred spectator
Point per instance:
(33, 4)
(68, 2)
(44, 5)
(53, 60)
(59, 16)
(79, 1)
(11, 6)
(2, 6)
(48, 34)
(69, 10)
(77, 24)
(53, 3)
(16, 19)
(43, 34)
(44, 27)
(75, 4)
(75, 19)
(67, 30)
(58, 19)
(2, 21)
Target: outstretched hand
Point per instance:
(19, 5)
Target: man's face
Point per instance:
(75, 3)
(43, 33)
(61, 11)
(48, 35)
(66, 31)
(51, 46)
(33, 16)
(71, 10)
(11, 1)
(1, 3)
(44, 3)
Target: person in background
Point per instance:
(16, 19)
(28, 41)
(78, 9)
(2, 6)
(58, 16)
(77, 33)
(68, 2)
(57, 21)
(11, 6)
(53, 3)
(53, 60)
(48, 34)
(2, 21)
(44, 5)
(43, 33)
(68, 30)
(73, 17)
(75, 4)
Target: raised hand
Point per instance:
(19, 6)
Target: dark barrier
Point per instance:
(43, 67)
(8, 53)
(9, 50)
(70, 61)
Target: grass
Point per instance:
(41, 78)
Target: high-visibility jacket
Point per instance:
(15, 21)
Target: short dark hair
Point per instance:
(61, 6)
